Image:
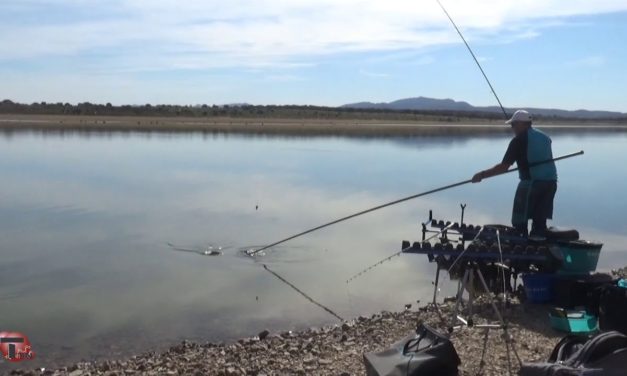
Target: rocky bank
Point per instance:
(338, 349)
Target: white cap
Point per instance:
(520, 115)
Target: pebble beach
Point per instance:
(338, 349)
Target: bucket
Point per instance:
(538, 287)
(580, 257)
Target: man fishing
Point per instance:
(538, 184)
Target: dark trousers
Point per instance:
(533, 200)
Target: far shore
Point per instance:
(280, 126)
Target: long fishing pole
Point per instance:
(254, 252)
(475, 58)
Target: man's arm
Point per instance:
(513, 151)
(496, 170)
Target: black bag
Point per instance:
(603, 355)
(567, 347)
(613, 309)
(423, 353)
(579, 291)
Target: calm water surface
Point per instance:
(84, 220)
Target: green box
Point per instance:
(579, 256)
(573, 321)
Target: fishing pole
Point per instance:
(254, 252)
(475, 58)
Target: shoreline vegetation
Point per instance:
(356, 127)
(279, 120)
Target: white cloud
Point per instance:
(195, 34)
(407, 56)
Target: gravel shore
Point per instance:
(338, 349)
(620, 273)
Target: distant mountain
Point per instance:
(432, 104)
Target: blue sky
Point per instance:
(541, 53)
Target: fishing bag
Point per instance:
(603, 355)
(613, 309)
(579, 291)
(423, 353)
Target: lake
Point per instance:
(86, 272)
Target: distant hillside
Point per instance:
(423, 110)
(432, 104)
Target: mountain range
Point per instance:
(433, 104)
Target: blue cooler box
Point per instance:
(538, 287)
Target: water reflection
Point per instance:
(85, 222)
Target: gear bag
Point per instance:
(425, 352)
(603, 355)
(613, 308)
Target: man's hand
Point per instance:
(496, 170)
(477, 177)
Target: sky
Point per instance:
(537, 53)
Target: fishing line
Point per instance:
(394, 255)
(475, 58)
(254, 252)
(464, 251)
(209, 250)
(302, 293)
(502, 267)
(349, 298)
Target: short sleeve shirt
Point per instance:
(517, 152)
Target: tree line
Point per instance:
(246, 111)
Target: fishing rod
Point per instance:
(254, 252)
(475, 58)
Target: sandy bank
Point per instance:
(286, 127)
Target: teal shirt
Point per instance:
(528, 148)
